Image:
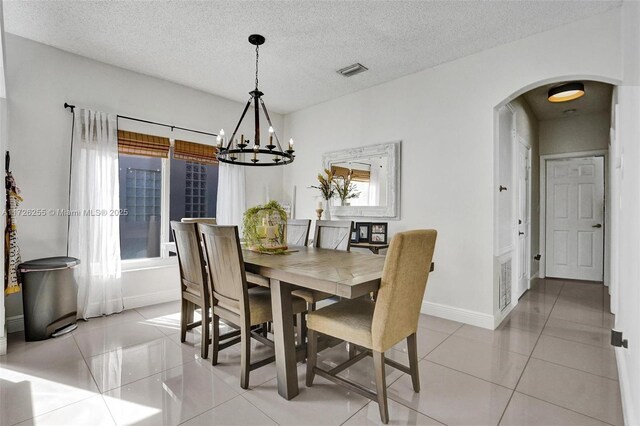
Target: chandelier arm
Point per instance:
(246, 107)
(266, 114)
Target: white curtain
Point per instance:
(94, 227)
(231, 194)
(374, 185)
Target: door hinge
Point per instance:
(617, 340)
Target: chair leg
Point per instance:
(381, 385)
(245, 355)
(215, 339)
(412, 348)
(301, 328)
(264, 329)
(312, 355)
(206, 324)
(184, 320)
(352, 350)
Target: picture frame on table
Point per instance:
(363, 229)
(354, 234)
(378, 233)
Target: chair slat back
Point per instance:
(207, 220)
(298, 232)
(225, 264)
(404, 279)
(190, 257)
(333, 234)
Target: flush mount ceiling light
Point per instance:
(245, 152)
(566, 92)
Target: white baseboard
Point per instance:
(15, 323)
(140, 300)
(628, 408)
(458, 314)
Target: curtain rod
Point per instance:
(124, 117)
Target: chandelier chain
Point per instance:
(257, 56)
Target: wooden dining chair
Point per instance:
(298, 232)
(329, 234)
(232, 299)
(193, 288)
(376, 326)
(207, 220)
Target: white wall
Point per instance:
(626, 293)
(39, 80)
(588, 132)
(444, 116)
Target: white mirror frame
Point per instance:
(393, 151)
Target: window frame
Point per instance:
(165, 211)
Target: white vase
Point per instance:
(327, 210)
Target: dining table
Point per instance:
(348, 275)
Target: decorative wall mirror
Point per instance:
(375, 174)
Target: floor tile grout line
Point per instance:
(469, 374)
(242, 395)
(122, 347)
(576, 369)
(354, 414)
(438, 345)
(55, 409)
(529, 358)
(560, 406)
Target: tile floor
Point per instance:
(549, 363)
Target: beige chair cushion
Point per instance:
(309, 296)
(348, 320)
(260, 305)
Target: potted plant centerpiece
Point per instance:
(265, 228)
(326, 187)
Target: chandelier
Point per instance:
(250, 153)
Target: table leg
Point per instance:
(284, 339)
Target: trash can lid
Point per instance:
(56, 262)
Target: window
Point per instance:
(156, 188)
(193, 190)
(140, 195)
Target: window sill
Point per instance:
(144, 264)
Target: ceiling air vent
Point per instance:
(352, 70)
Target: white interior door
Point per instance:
(575, 218)
(523, 217)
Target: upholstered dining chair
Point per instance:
(298, 232)
(233, 300)
(193, 282)
(376, 326)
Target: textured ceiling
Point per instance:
(597, 98)
(203, 44)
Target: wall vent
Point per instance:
(353, 69)
(505, 283)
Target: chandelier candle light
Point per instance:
(245, 153)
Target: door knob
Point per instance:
(598, 225)
(520, 233)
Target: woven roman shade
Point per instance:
(132, 143)
(356, 175)
(191, 151)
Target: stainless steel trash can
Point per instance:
(49, 297)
